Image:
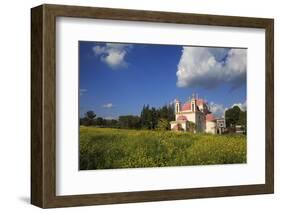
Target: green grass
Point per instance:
(105, 148)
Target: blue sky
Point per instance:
(118, 79)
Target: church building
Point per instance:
(195, 116)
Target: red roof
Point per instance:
(200, 102)
(186, 106)
(182, 118)
(210, 117)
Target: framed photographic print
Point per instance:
(137, 106)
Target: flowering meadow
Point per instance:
(106, 148)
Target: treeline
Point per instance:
(90, 119)
(150, 118)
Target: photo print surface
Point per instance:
(155, 105)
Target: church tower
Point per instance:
(177, 106)
(193, 103)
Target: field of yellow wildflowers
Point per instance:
(105, 148)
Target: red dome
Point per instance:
(186, 106)
(182, 118)
(200, 102)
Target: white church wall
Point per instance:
(177, 115)
(197, 117)
(173, 125)
(191, 117)
(184, 126)
(211, 127)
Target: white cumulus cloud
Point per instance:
(217, 109)
(108, 106)
(113, 54)
(209, 67)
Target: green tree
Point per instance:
(100, 121)
(232, 116)
(112, 123)
(90, 114)
(171, 112)
(88, 118)
(145, 117)
(154, 118)
(85, 121)
(150, 116)
(129, 122)
(163, 124)
(167, 112)
(163, 112)
(243, 120)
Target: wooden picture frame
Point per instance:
(43, 105)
